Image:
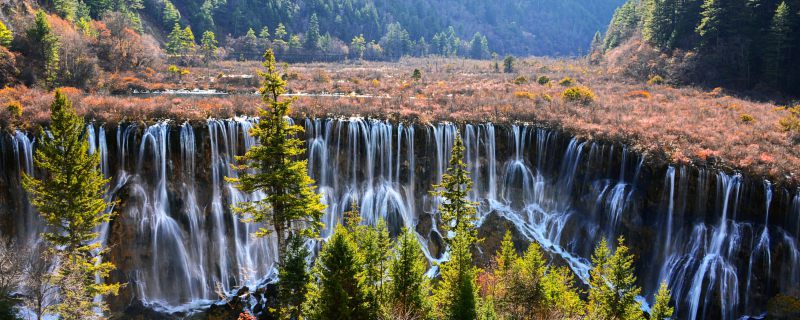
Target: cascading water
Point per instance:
(177, 243)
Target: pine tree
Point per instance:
(280, 32)
(341, 295)
(456, 294)
(359, 46)
(250, 42)
(660, 22)
(264, 34)
(70, 199)
(561, 298)
(42, 33)
(457, 213)
(170, 16)
(526, 287)
(175, 40)
(778, 40)
(613, 285)
(294, 279)
(5, 35)
(291, 204)
(313, 34)
(661, 309)
(208, 45)
(710, 27)
(409, 287)
(374, 247)
(479, 46)
(187, 40)
(507, 255)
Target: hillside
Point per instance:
(518, 27)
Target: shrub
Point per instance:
(746, 118)
(638, 94)
(567, 81)
(520, 80)
(546, 97)
(416, 75)
(524, 95)
(543, 80)
(14, 108)
(579, 94)
(791, 122)
(656, 79)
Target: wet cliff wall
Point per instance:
(725, 243)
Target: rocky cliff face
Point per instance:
(725, 243)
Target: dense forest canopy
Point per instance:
(519, 27)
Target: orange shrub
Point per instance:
(638, 94)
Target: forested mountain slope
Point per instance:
(742, 44)
(520, 27)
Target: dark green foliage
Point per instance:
(623, 24)
(511, 26)
(170, 15)
(47, 43)
(409, 287)
(416, 75)
(294, 279)
(740, 44)
(457, 291)
(508, 64)
(479, 47)
(312, 35)
(341, 292)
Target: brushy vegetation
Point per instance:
(579, 94)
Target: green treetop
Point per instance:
(613, 285)
(661, 309)
(778, 40)
(175, 40)
(359, 45)
(291, 205)
(208, 45)
(409, 287)
(264, 34)
(42, 33)
(341, 293)
(374, 247)
(170, 16)
(312, 35)
(70, 198)
(294, 280)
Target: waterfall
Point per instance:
(177, 243)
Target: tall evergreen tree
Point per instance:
(341, 295)
(409, 287)
(456, 293)
(291, 204)
(313, 34)
(70, 199)
(175, 40)
(294, 279)
(42, 33)
(375, 249)
(613, 285)
(208, 45)
(170, 16)
(711, 24)
(778, 41)
(456, 212)
(659, 22)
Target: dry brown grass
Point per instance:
(668, 123)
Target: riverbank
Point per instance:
(678, 125)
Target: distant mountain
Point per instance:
(519, 27)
